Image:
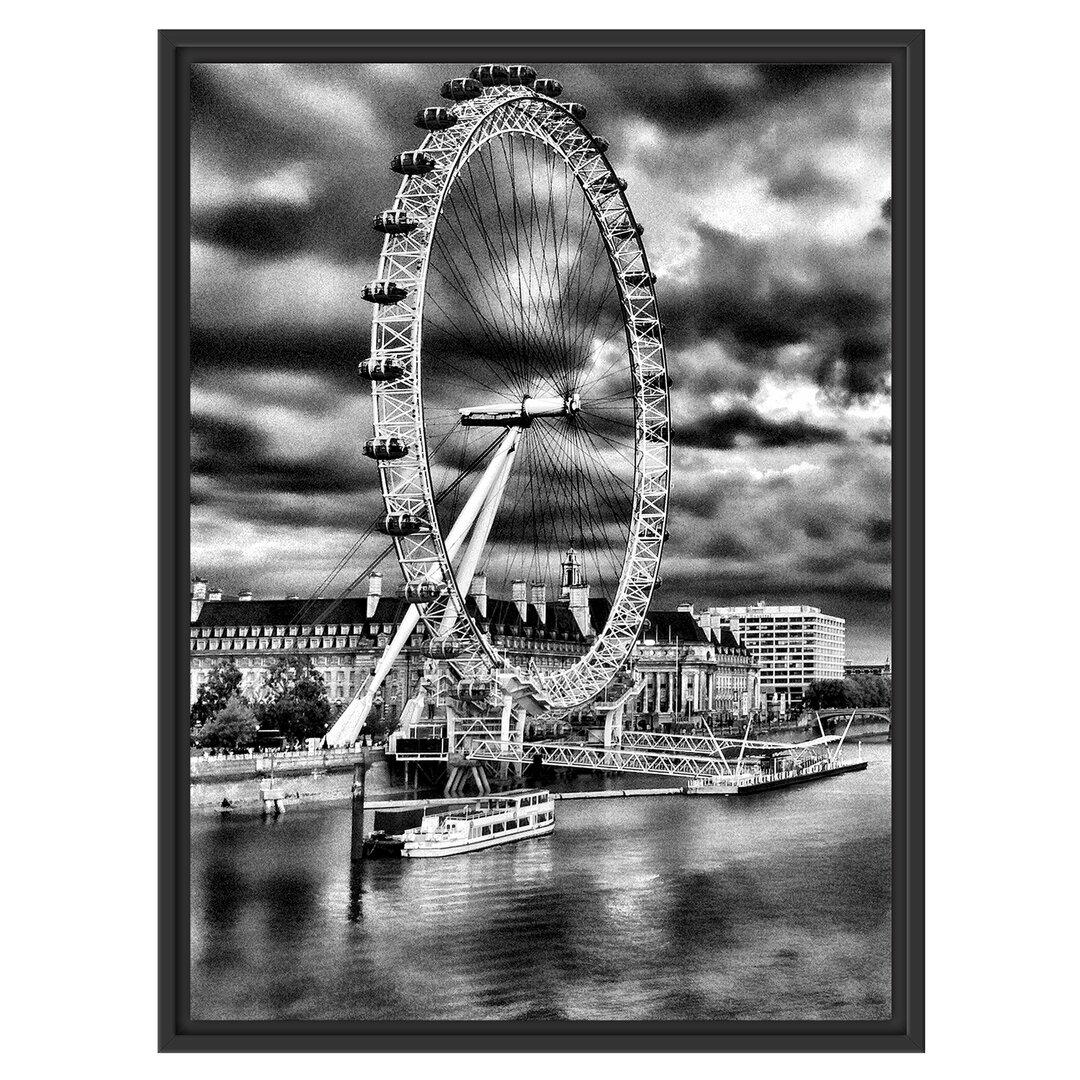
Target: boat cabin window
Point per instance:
(512, 823)
(497, 827)
(485, 830)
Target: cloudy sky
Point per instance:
(764, 192)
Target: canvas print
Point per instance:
(540, 541)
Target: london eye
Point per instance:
(516, 339)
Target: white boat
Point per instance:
(482, 824)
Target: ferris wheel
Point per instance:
(516, 339)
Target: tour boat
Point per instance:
(481, 824)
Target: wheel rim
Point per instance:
(603, 466)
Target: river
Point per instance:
(764, 907)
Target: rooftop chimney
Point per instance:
(374, 594)
(214, 593)
(538, 599)
(579, 608)
(245, 594)
(198, 597)
(478, 590)
(687, 608)
(518, 595)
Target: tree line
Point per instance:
(855, 691)
(292, 700)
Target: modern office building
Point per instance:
(792, 645)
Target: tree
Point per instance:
(223, 683)
(294, 700)
(825, 694)
(232, 727)
(380, 726)
(854, 692)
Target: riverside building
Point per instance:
(792, 645)
(348, 639)
(688, 671)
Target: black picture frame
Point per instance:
(904, 51)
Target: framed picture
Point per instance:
(541, 517)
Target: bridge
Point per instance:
(854, 713)
(681, 756)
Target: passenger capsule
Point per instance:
(640, 277)
(384, 292)
(386, 448)
(548, 87)
(461, 89)
(611, 184)
(402, 524)
(435, 119)
(578, 112)
(473, 689)
(394, 221)
(491, 75)
(521, 75)
(628, 230)
(601, 143)
(382, 368)
(413, 163)
(441, 649)
(423, 592)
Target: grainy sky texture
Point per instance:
(765, 196)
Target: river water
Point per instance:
(765, 907)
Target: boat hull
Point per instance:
(441, 851)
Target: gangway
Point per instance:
(711, 764)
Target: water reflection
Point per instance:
(768, 907)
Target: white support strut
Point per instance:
(489, 489)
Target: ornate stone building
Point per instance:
(691, 672)
(688, 671)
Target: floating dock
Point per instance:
(752, 783)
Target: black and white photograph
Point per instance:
(541, 541)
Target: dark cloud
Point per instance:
(796, 78)
(683, 98)
(725, 430)
(679, 97)
(805, 182)
(741, 295)
(289, 165)
(330, 353)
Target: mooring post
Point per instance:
(359, 774)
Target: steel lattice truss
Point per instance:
(407, 486)
(613, 759)
(641, 752)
